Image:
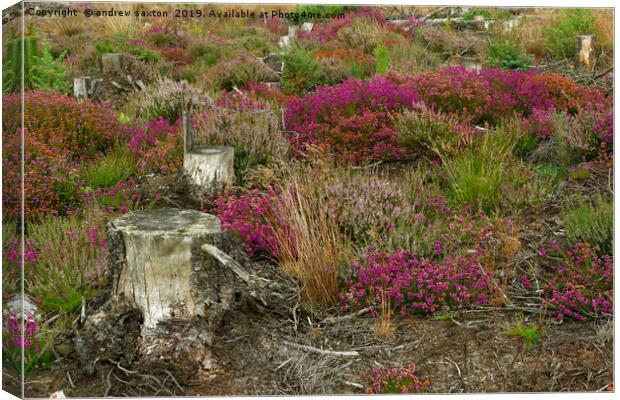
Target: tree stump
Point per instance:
(112, 63)
(210, 168)
(157, 266)
(585, 50)
(86, 88)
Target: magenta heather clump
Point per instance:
(581, 286)
(400, 379)
(248, 215)
(417, 285)
(604, 128)
(352, 119)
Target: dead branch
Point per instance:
(316, 350)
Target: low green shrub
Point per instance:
(589, 221)
(507, 55)
(112, 168)
(165, 98)
(71, 254)
(412, 58)
(560, 36)
(381, 60)
(301, 72)
(42, 71)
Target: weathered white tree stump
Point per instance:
(210, 168)
(112, 63)
(158, 267)
(86, 88)
(162, 263)
(585, 50)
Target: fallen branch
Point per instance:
(316, 350)
(333, 320)
(268, 292)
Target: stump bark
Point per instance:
(585, 50)
(173, 277)
(210, 168)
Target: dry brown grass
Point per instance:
(605, 29)
(384, 328)
(311, 247)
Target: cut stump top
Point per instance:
(169, 221)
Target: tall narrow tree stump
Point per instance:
(585, 50)
(209, 168)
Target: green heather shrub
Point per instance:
(381, 60)
(560, 36)
(412, 58)
(239, 71)
(507, 55)
(104, 47)
(301, 72)
(360, 69)
(110, 169)
(252, 128)
(258, 45)
(366, 35)
(431, 134)
(71, 254)
(207, 52)
(479, 175)
(589, 221)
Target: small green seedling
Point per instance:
(530, 333)
(446, 316)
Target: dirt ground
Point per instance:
(468, 353)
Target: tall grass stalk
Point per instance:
(310, 245)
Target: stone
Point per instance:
(112, 63)
(18, 305)
(211, 168)
(307, 27)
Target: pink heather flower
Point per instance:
(31, 326)
(437, 247)
(12, 324)
(542, 252)
(525, 282)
